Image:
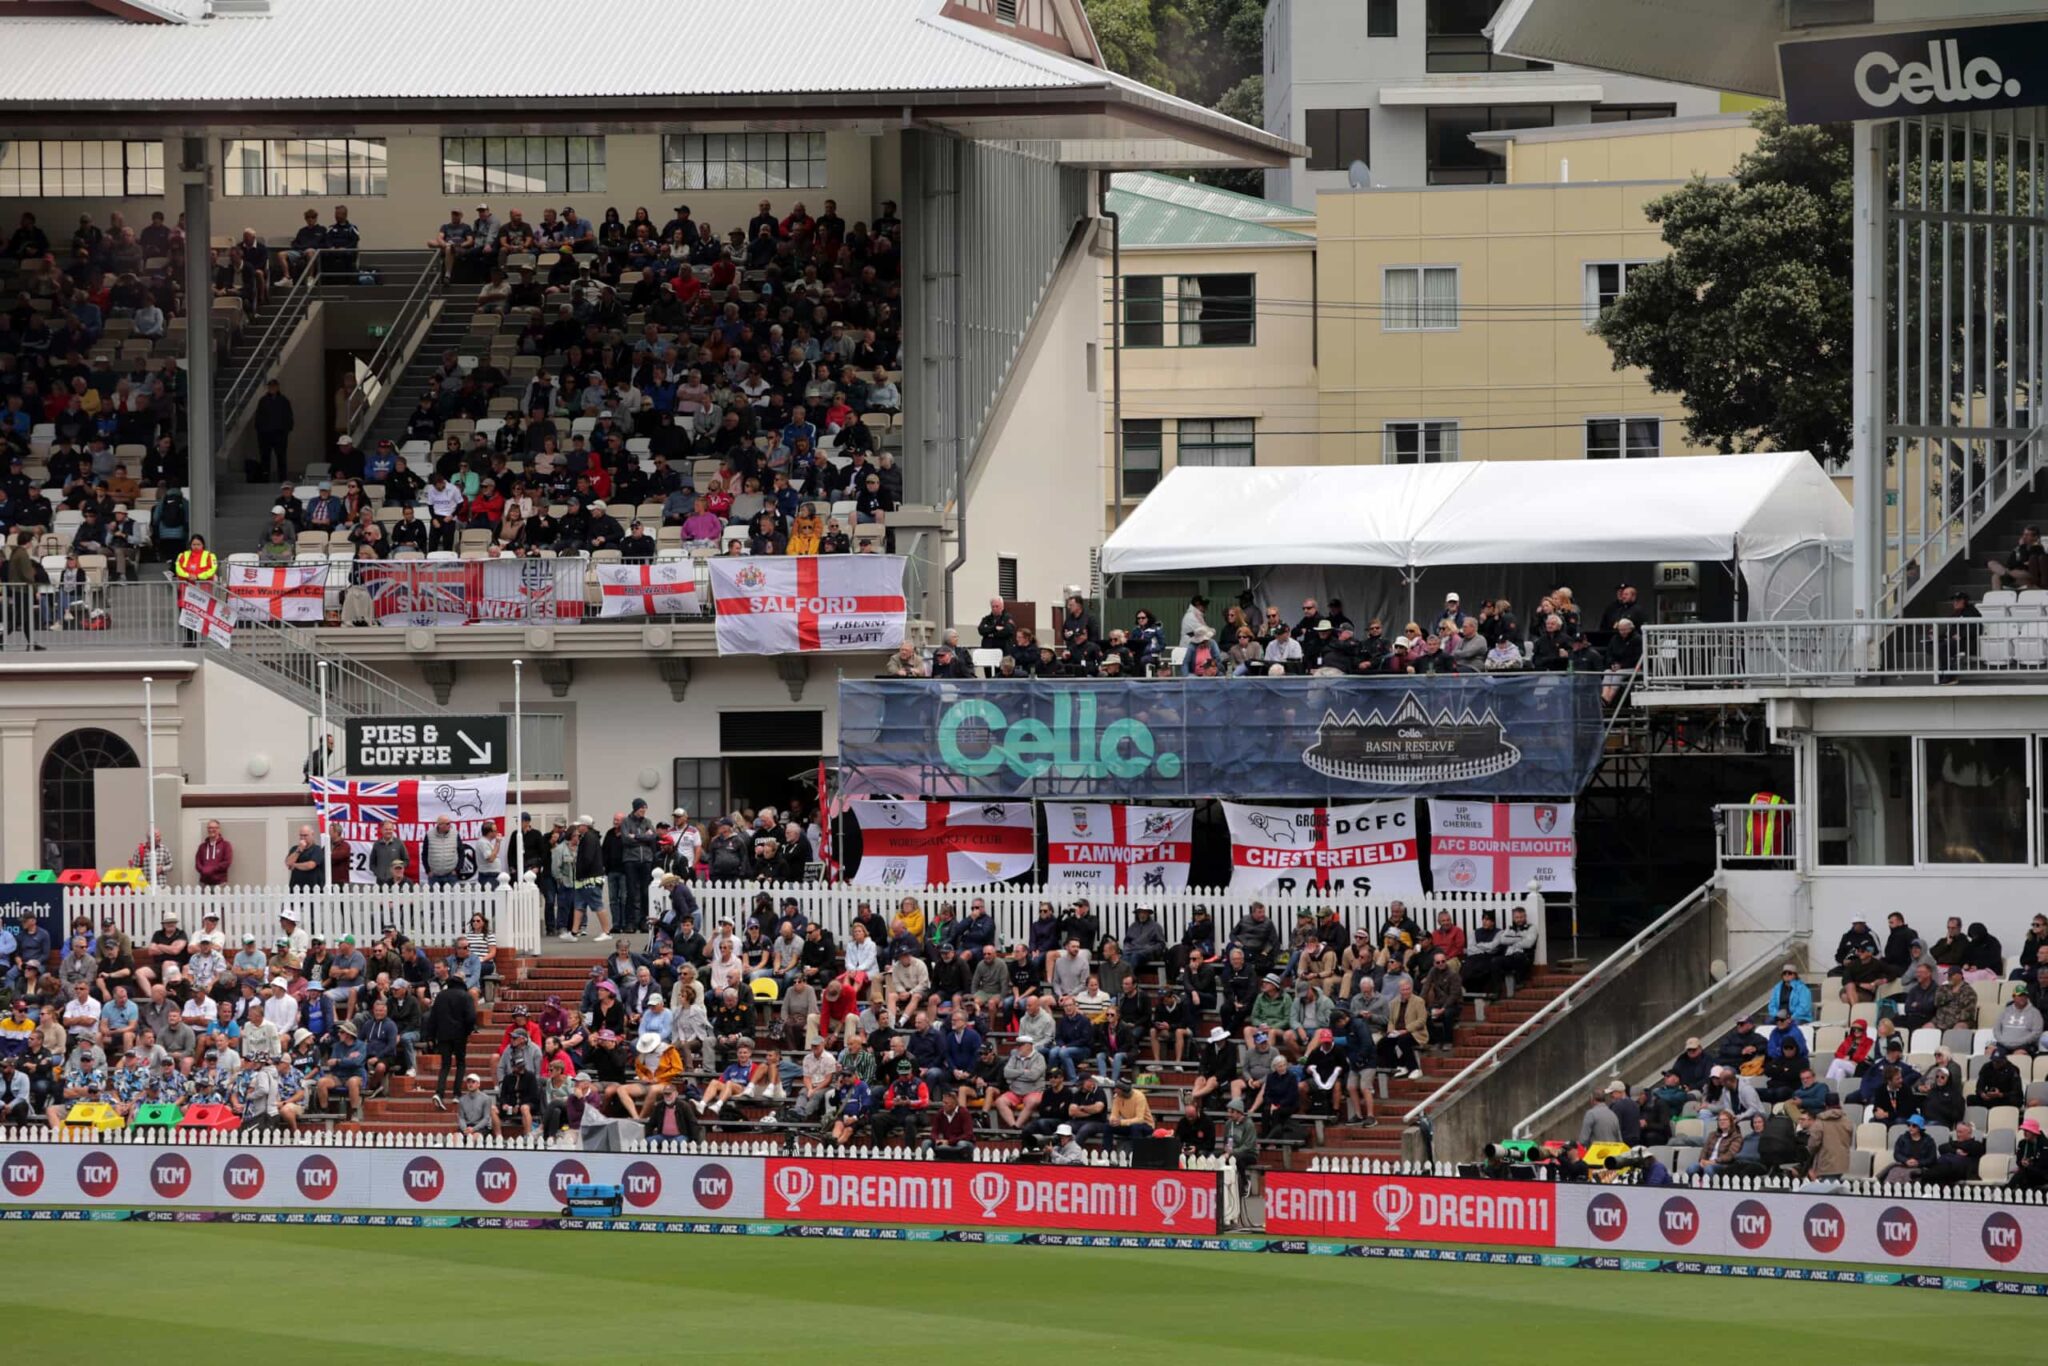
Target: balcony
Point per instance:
(2009, 644)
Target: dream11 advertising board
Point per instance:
(1015, 1195)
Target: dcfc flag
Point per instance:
(1096, 844)
(1501, 846)
(648, 590)
(352, 810)
(936, 844)
(782, 605)
(1365, 848)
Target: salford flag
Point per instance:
(937, 844)
(1365, 848)
(355, 810)
(201, 613)
(1096, 844)
(771, 605)
(291, 592)
(668, 588)
(1502, 846)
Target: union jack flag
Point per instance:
(342, 799)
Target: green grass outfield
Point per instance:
(236, 1293)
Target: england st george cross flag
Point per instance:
(937, 844)
(774, 605)
(1105, 845)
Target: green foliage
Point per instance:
(1130, 43)
(1749, 318)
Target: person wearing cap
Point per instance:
(348, 1069)
(1791, 996)
(1914, 1152)
(589, 872)
(1999, 1082)
(474, 1108)
(2018, 1027)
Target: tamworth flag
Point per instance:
(353, 810)
(938, 844)
(1366, 848)
(1110, 846)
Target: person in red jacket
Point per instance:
(952, 1135)
(215, 857)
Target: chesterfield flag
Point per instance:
(800, 603)
(201, 613)
(1365, 848)
(935, 844)
(648, 590)
(290, 592)
(1098, 844)
(352, 810)
(1502, 846)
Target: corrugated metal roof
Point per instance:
(1163, 211)
(315, 50)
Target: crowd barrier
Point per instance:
(431, 915)
(1897, 1227)
(520, 1180)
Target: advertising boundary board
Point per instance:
(1674, 1221)
(995, 1195)
(1297, 1247)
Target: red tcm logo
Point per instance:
(1679, 1221)
(496, 1180)
(1897, 1231)
(712, 1185)
(318, 1177)
(97, 1175)
(22, 1174)
(1824, 1228)
(170, 1176)
(1606, 1217)
(242, 1177)
(422, 1179)
(568, 1172)
(643, 1184)
(2002, 1237)
(1751, 1224)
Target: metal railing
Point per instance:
(1757, 834)
(1755, 654)
(395, 351)
(1697, 1009)
(1652, 934)
(242, 390)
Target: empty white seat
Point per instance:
(2032, 602)
(1924, 1041)
(1995, 602)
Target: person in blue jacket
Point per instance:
(1792, 995)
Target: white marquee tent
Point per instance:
(1763, 511)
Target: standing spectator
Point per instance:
(273, 425)
(214, 859)
(450, 1021)
(638, 846)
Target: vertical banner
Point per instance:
(938, 844)
(1104, 845)
(1365, 848)
(203, 614)
(291, 592)
(353, 810)
(769, 605)
(1501, 846)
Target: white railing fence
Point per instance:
(1014, 906)
(1757, 834)
(2006, 642)
(434, 916)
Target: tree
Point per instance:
(1749, 319)
(1129, 41)
(1245, 102)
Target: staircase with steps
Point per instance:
(529, 982)
(448, 332)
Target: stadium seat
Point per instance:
(94, 1114)
(766, 989)
(1870, 1138)
(35, 875)
(157, 1116)
(131, 878)
(79, 877)
(2002, 1117)
(1994, 1169)
(1924, 1041)
(1865, 1011)
(1960, 1043)
(209, 1117)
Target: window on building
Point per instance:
(1144, 310)
(1382, 18)
(771, 732)
(1454, 159)
(1419, 443)
(1615, 438)
(1144, 455)
(1630, 113)
(743, 161)
(1606, 281)
(1456, 39)
(98, 169)
(522, 166)
(1974, 791)
(1420, 299)
(1190, 310)
(1338, 137)
(284, 167)
(1866, 801)
(1216, 441)
(1006, 577)
(699, 788)
(69, 796)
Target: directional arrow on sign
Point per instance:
(481, 753)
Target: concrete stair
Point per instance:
(448, 332)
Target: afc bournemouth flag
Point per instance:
(1365, 848)
(1106, 846)
(291, 592)
(201, 613)
(938, 844)
(666, 589)
(1501, 846)
(774, 605)
(353, 810)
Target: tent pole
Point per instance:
(1411, 576)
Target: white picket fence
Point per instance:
(433, 916)
(1015, 905)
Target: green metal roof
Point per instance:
(1157, 210)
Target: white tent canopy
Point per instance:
(1754, 508)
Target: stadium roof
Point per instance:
(1165, 211)
(536, 64)
(1726, 45)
